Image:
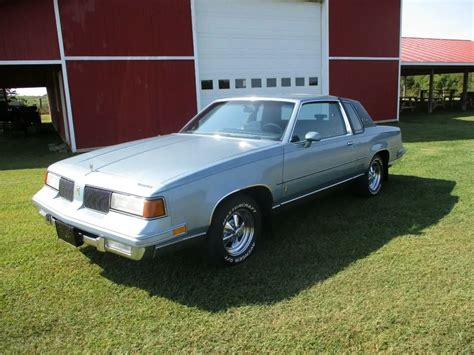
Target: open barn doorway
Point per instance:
(32, 101)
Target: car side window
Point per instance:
(354, 119)
(322, 117)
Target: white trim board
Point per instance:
(440, 64)
(364, 58)
(399, 60)
(30, 62)
(70, 126)
(325, 89)
(197, 75)
(127, 58)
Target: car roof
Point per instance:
(291, 98)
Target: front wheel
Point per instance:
(370, 183)
(235, 229)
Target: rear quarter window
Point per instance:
(363, 114)
(354, 119)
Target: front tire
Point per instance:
(235, 229)
(370, 183)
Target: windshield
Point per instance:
(247, 119)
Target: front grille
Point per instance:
(97, 199)
(66, 189)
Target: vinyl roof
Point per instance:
(433, 50)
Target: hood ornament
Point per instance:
(91, 166)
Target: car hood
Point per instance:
(159, 160)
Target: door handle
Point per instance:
(350, 143)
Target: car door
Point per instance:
(323, 163)
(360, 141)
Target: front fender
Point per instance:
(194, 203)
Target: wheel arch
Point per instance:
(260, 193)
(385, 155)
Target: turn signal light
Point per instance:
(179, 231)
(154, 208)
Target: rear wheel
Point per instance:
(370, 183)
(235, 229)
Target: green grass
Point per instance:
(393, 273)
(46, 118)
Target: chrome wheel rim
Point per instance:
(239, 230)
(375, 176)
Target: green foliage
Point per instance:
(341, 274)
(412, 85)
(7, 94)
(39, 101)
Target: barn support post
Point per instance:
(430, 93)
(464, 90)
(4, 90)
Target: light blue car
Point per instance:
(220, 179)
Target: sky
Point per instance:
(453, 19)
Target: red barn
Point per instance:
(118, 70)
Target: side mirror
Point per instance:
(311, 137)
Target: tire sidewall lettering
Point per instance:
(238, 259)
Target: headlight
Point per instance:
(52, 180)
(138, 206)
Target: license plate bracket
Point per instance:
(69, 234)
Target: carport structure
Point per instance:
(427, 56)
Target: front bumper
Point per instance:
(117, 233)
(106, 245)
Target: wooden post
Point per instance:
(5, 95)
(430, 93)
(464, 90)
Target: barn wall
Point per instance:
(28, 30)
(362, 36)
(55, 103)
(364, 28)
(122, 27)
(114, 101)
(374, 83)
(119, 101)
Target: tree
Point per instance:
(412, 85)
(8, 95)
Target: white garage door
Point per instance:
(258, 47)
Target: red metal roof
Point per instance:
(431, 50)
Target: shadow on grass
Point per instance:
(312, 242)
(18, 151)
(446, 126)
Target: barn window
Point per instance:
(271, 83)
(240, 83)
(256, 83)
(313, 81)
(207, 85)
(299, 81)
(224, 84)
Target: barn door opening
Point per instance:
(32, 98)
